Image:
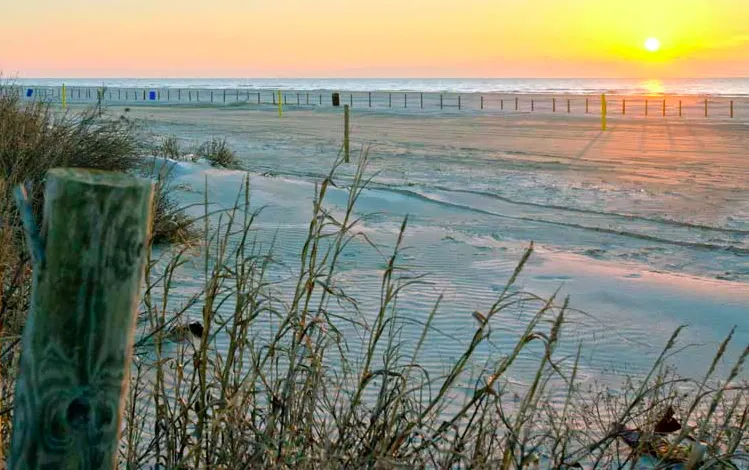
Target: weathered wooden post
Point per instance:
(369, 96)
(731, 109)
(441, 101)
(502, 105)
(705, 107)
(516, 103)
(458, 102)
(405, 100)
(421, 100)
(390, 100)
(482, 102)
(346, 133)
(77, 343)
(533, 105)
(553, 105)
(568, 106)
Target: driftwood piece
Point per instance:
(77, 341)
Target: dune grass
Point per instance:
(275, 381)
(297, 395)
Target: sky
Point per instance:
(373, 38)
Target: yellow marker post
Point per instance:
(280, 104)
(603, 112)
(64, 96)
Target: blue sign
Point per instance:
(152, 95)
(29, 92)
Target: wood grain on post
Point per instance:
(78, 340)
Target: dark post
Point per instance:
(586, 105)
(258, 97)
(646, 107)
(516, 103)
(370, 99)
(664, 108)
(553, 105)
(179, 94)
(351, 99)
(482, 102)
(458, 101)
(77, 344)
(211, 96)
(405, 100)
(679, 108)
(502, 105)
(568, 106)
(731, 109)
(532, 105)
(390, 100)
(307, 99)
(440, 100)
(224, 95)
(421, 100)
(706, 107)
(624, 106)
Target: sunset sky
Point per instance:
(374, 38)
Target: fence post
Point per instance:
(440, 100)
(421, 100)
(568, 106)
(679, 108)
(705, 107)
(273, 95)
(553, 105)
(482, 102)
(346, 133)
(459, 102)
(501, 104)
(586, 105)
(211, 96)
(64, 97)
(533, 105)
(405, 100)
(624, 106)
(646, 107)
(603, 112)
(664, 108)
(307, 99)
(390, 100)
(280, 105)
(731, 109)
(77, 344)
(516, 103)
(351, 99)
(320, 99)
(369, 97)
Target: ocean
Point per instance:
(701, 86)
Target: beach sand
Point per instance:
(645, 226)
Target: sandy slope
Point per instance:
(645, 226)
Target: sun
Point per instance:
(652, 44)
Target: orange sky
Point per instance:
(373, 38)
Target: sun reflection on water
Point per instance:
(653, 87)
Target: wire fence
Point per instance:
(617, 105)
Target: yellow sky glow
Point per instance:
(384, 38)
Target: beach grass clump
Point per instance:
(219, 154)
(35, 138)
(301, 375)
(169, 147)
